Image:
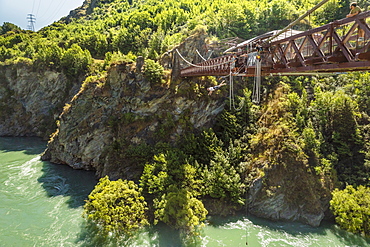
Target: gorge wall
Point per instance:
(124, 110)
(31, 100)
(104, 122)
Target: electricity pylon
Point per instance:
(31, 20)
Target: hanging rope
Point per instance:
(231, 93)
(210, 54)
(231, 88)
(203, 66)
(257, 83)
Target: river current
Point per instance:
(41, 205)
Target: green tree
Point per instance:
(180, 209)
(48, 55)
(76, 61)
(7, 26)
(352, 209)
(275, 14)
(335, 116)
(116, 206)
(153, 71)
(223, 180)
(172, 184)
(5, 53)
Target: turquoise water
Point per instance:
(41, 205)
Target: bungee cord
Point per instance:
(231, 93)
(257, 83)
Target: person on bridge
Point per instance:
(214, 88)
(355, 10)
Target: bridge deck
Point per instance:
(334, 47)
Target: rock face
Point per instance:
(287, 187)
(30, 101)
(189, 50)
(121, 111)
(109, 116)
(85, 9)
(294, 195)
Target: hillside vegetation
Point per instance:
(309, 131)
(151, 27)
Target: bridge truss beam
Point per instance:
(334, 47)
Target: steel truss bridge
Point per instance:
(332, 48)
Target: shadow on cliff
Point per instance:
(29, 145)
(62, 180)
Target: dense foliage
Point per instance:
(153, 71)
(172, 184)
(352, 209)
(116, 206)
(149, 28)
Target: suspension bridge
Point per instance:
(332, 48)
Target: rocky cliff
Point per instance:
(31, 101)
(289, 192)
(123, 110)
(287, 188)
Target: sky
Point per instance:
(44, 11)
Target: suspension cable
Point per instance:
(297, 20)
(210, 54)
(200, 55)
(203, 66)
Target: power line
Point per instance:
(38, 8)
(56, 11)
(47, 10)
(33, 5)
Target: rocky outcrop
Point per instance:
(286, 188)
(123, 110)
(289, 193)
(81, 12)
(31, 101)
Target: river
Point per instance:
(41, 205)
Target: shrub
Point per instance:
(7, 26)
(153, 71)
(76, 61)
(173, 187)
(222, 179)
(48, 55)
(116, 206)
(180, 209)
(352, 208)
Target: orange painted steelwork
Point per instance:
(331, 48)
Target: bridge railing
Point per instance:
(338, 41)
(335, 47)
